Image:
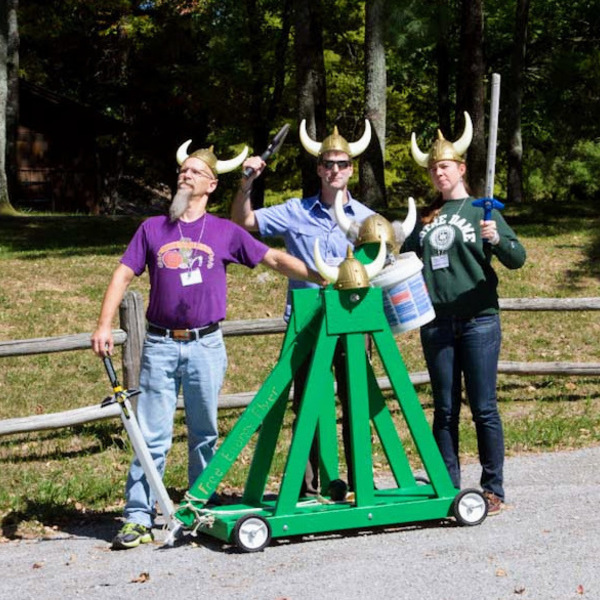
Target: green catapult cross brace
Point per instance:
(321, 318)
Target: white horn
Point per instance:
(360, 146)
(309, 144)
(421, 158)
(461, 145)
(224, 166)
(327, 271)
(343, 221)
(377, 265)
(411, 218)
(182, 153)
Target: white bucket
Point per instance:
(406, 301)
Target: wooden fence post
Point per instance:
(133, 322)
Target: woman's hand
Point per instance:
(489, 232)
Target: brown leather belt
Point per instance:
(184, 335)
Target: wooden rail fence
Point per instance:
(131, 337)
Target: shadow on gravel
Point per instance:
(216, 545)
(354, 533)
(47, 521)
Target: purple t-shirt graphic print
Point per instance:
(187, 265)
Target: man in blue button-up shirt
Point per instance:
(300, 222)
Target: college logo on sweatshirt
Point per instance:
(444, 230)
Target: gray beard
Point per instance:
(179, 205)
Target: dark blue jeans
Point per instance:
(455, 346)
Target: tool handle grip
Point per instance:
(247, 172)
(271, 148)
(110, 370)
(264, 156)
(487, 210)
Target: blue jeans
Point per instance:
(472, 347)
(198, 368)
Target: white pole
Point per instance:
(493, 136)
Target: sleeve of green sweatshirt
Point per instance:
(509, 251)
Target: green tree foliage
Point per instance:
(222, 72)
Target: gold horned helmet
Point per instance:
(335, 142)
(442, 148)
(351, 273)
(375, 227)
(207, 156)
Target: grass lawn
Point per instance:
(54, 273)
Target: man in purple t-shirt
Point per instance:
(186, 254)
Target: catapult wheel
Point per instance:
(251, 533)
(469, 507)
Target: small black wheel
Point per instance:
(469, 507)
(421, 480)
(251, 533)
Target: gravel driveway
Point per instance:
(544, 546)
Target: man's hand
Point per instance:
(317, 278)
(254, 165)
(102, 342)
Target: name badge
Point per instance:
(440, 261)
(192, 277)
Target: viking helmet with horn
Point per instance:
(442, 148)
(207, 156)
(351, 273)
(375, 227)
(335, 142)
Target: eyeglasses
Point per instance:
(194, 172)
(341, 164)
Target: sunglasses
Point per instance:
(341, 164)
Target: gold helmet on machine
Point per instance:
(351, 274)
(375, 227)
(442, 148)
(207, 156)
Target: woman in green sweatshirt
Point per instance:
(456, 247)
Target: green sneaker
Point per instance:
(132, 535)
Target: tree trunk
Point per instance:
(260, 128)
(470, 90)
(12, 102)
(261, 83)
(372, 164)
(442, 57)
(6, 17)
(515, 100)
(310, 82)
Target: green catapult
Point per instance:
(319, 319)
